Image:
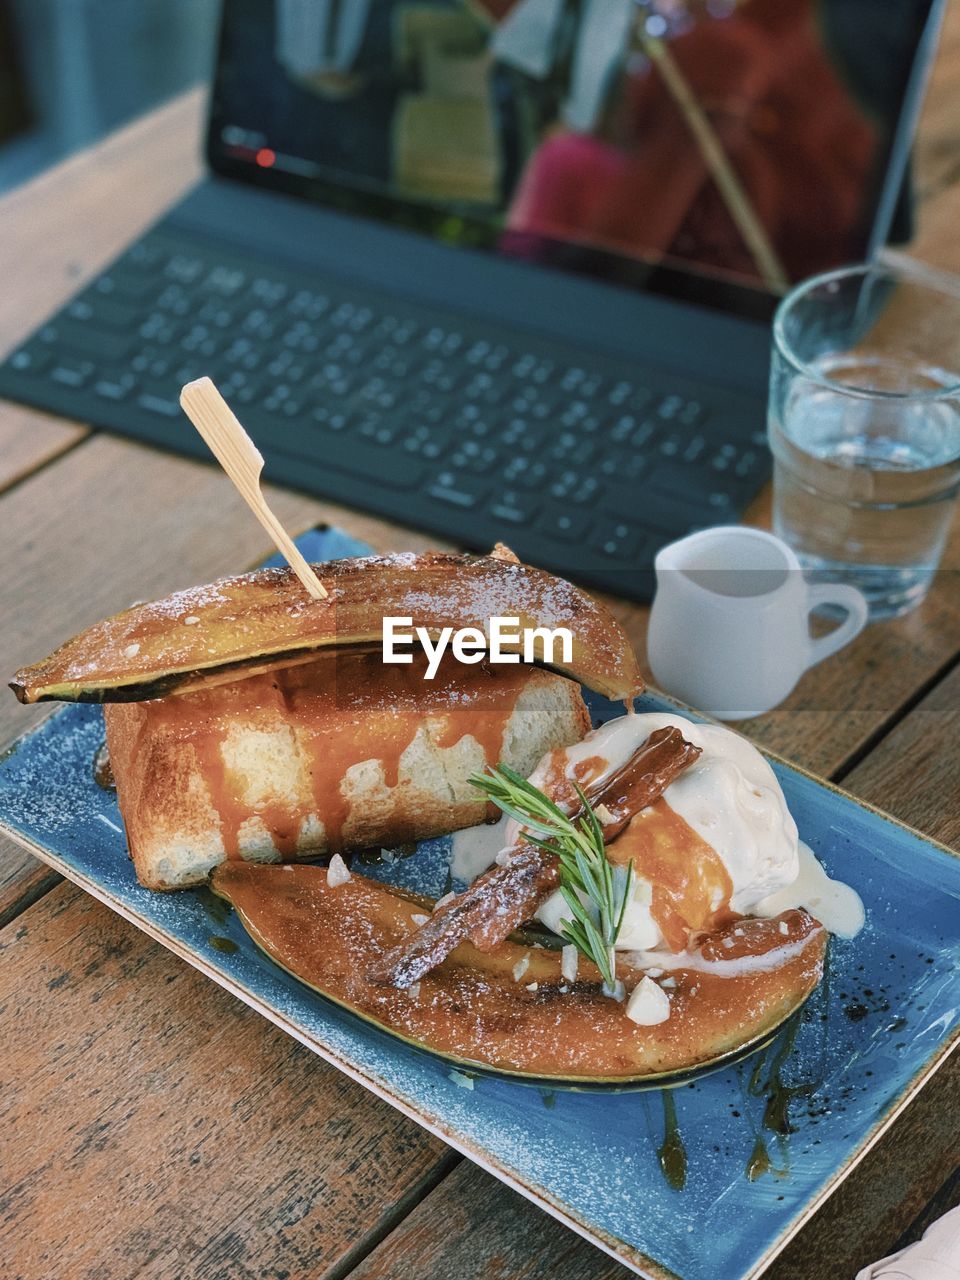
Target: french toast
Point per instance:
(336, 754)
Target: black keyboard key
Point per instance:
(476, 458)
(334, 452)
(531, 473)
(115, 388)
(224, 280)
(105, 312)
(97, 344)
(585, 491)
(129, 286)
(165, 406)
(565, 526)
(147, 256)
(675, 480)
(459, 490)
(73, 373)
(515, 507)
(378, 466)
(751, 462)
(622, 466)
(669, 513)
(184, 268)
(695, 449)
(31, 360)
(616, 539)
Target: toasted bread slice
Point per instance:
(336, 754)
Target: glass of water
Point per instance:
(864, 425)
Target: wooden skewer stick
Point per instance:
(243, 462)
(718, 164)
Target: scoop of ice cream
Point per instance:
(729, 798)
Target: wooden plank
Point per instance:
(152, 1125)
(936, 240)
(913, 770)
(946, 1198)
(473, 1227)
(60, 230)
(113, 523)
(937, 151)
(30, 439)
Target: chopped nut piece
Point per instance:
(648, 1005)
(338, 872)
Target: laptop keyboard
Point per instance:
(582, 463)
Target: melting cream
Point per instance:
(730, 797)
(476, 848)
(836, 905)
(663, 961)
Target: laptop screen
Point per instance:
(718, 149)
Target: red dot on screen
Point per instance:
(266, 158)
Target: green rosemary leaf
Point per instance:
(578, 845)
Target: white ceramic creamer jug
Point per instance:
(729, 631)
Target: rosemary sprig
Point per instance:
(584, 867)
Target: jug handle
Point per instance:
(857, 610)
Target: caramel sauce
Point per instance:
(759, 1162)
(589, 770)
(672, 1153)
(212, 766)
(559, 787)
(340, 710)
(685, 873)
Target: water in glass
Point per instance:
(870, 476)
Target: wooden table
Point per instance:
(155, 1127)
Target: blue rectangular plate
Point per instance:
(881, 1024)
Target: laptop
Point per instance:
(504, 269)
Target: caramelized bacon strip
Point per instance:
(489, 910)
(643, 779)
(506, 895)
